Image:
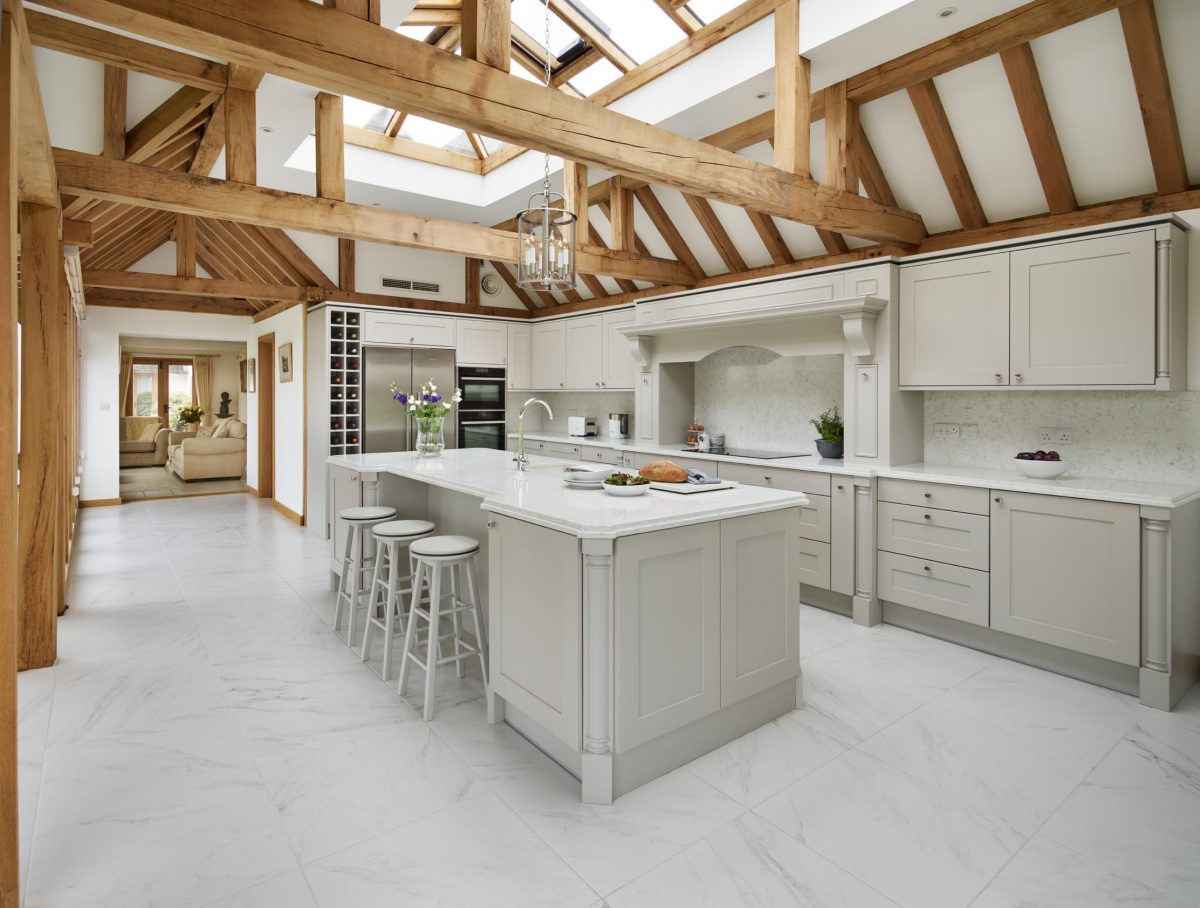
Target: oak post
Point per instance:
(41, 391)
(241, 154)
(620, 201)
(116, 81)
(841, 137)
(487, 32)
(793, 119)
(185, 245)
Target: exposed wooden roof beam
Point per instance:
(136, 185)
(942, 143)
(1026, 85)
(79, 40)
(587, 30)
(595, 239)
(1144, 45)
(518, 291)
(165, 122)
(871, 173)
(196, 286)
(36, 181)
(487, 32)
(688, 21)
(716, 232)
(293, 38)
(792, 92)
(116, 85)
(400, 302)
(667, 230)
(419, 151)
(768, 232)
(127, 300)
(77, 233)
(185, 245)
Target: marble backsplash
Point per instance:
(1143, 435)
(759, 399)
(569, 403)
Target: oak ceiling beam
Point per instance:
(297, 39)
(1021, 70)
(936, 125)
(79, 40)
(716, 232)
(77, 233)
(792, 92)
(487, 32)
(164, 123)
(1144, 45)
(871, 173)
(128, 300)
(418, 151)
(587, 30)
(688, 21)
(185, 246)
(401, 302)
(132, 184)
(667, 230)
(198, 286)
(841, 134)
(116, 85)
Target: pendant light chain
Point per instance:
(546, 60)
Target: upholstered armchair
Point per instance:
(143, 441)
(212, 457)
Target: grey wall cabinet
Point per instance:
(1067, 571)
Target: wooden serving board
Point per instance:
(690, 488)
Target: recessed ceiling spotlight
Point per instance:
(946, 12)
(376, 204)
(474, 222)
(267, 129)
(762, 95)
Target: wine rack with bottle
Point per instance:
(345, 381)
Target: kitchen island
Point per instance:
(627, 635)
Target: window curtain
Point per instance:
(202, 381)
(126, 382)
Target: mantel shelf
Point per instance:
(857, 314)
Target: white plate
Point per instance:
(574, 483)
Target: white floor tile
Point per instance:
(751, 864)
(1049, 876)
(905, 837)
(1018, 780)
(475, 853)
(821, 629)
(287, 891)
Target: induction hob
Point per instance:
(747, 452)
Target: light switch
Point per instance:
(105, 407)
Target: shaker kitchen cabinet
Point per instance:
(954, 322)
(1067, 571)
(482, 343)
(1083, 312)
(548, 357)
(584, 353)
(759, 609)
(419, 329)
(620, 369)
(668, 631)
(519, 352)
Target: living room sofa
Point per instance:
(220, 454)
(135, 449)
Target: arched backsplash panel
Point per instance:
(760, 399)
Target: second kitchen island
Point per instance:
(626, 636)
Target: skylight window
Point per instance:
(431, 133)
(708, 10)
(365, 114)
(595, 77)
(416, 32)
(530, 17)
(640, 29)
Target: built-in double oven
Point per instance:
(481, 414)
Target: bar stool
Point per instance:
(431, 555)
(390, 580)
(355, 562)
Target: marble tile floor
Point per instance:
(207, 740)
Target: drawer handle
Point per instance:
(999, 378)
(1018, 377)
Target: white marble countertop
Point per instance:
(1125, 491)
(539, 496)
(812, 464)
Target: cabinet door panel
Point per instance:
(482, 343)
(954, 322)
(841, 536)
(1083, 312)
(416, 330)
(620, 369)
(519, 354)
(645, 418)
(548, 362)
(535, 629)
(585, 353)
(759, 604)
(942, 589)
(1068, 572)
(667, 631)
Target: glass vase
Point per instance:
(429, 436)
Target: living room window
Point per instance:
(160, 388)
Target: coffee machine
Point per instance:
(618, 425)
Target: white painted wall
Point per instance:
(288, 327)
(99, 399)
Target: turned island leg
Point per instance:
(598, 694)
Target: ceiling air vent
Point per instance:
(404, 283)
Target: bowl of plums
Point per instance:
(1041, 464)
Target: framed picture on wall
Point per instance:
(285, 363)
(249, 385)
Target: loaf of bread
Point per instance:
(663, 471)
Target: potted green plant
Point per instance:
(829, 426)
(188, 418)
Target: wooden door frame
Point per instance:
(266, 415)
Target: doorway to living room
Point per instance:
(180, 429)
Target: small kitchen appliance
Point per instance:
(618, 425)
(581, 426)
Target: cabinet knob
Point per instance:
(999, 377)
(1017, 377)
(491, 524)
(840, 488)
(998, 500)
(928, 494)
(929, 569)
(862, 376)
(929, 517)
(766, 479)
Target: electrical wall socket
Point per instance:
(968, 431)
(945, 430)
(1055, 435)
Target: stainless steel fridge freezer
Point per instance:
(386, 424)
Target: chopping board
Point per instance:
(691, 488)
